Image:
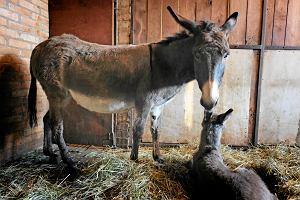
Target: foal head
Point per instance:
(209, 52)
(213, 127)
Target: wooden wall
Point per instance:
(283, 23)
(152, 21)
(278, 21)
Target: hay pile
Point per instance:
(278, 166)
(109, 174)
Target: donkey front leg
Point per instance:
(138, 130)
(155, 120)
(47, 147)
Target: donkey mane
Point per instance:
(206, 27)
(177, 36)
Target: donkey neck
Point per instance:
(172, 63)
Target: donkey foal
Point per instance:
(213, 178)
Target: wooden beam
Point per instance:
(260, 71)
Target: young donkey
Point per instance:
(213, 178)
(109, 79)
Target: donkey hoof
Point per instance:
(54, 159)
(74, 172)
(133, 156)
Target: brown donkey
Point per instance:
(108, 79)
(213, 179)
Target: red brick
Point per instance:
(43, 34)
(29, 6)
(19, 43)
(9, 50)
(15, 1)
(43, 26)
(19, 27)
(45, 13)
(3, 3)
(27, 21)
(26, 53)
(3, 21)
(2, 40)
(42, 19)
(8, 32)
(18, 9)
(29, 37)
(9, 14)
(40, 4)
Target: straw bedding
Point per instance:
(109, 174)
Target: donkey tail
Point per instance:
(32, 98)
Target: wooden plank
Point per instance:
(260, 71)
(253, 95)
(187, 9)
(269, 21)
(254, 20)
(279, 22)
(219, 11)
(238, 36)
(140, 21)
(169, 26)
(203, 10)
(154, 31)
(280, 110)
(293, 24)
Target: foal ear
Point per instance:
(185, 23)
(223, 117)
(230, 23)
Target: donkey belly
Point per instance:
(100, 104)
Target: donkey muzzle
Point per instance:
(210, 94)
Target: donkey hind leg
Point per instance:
(47, 147)
(138, 130)
(57, 129)
(155, 121)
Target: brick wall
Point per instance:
(123, 22)
(23, 24)
(123, 120)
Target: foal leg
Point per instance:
(155, 119)
(47, 147)
(138, 130)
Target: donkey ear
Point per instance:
(223, 117)
(230, 23)
(185, 23)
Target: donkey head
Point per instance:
(212, 127)
(209, 51)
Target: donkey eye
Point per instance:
(226, 55)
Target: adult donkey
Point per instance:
(108, 79)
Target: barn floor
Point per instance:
(108, 173)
